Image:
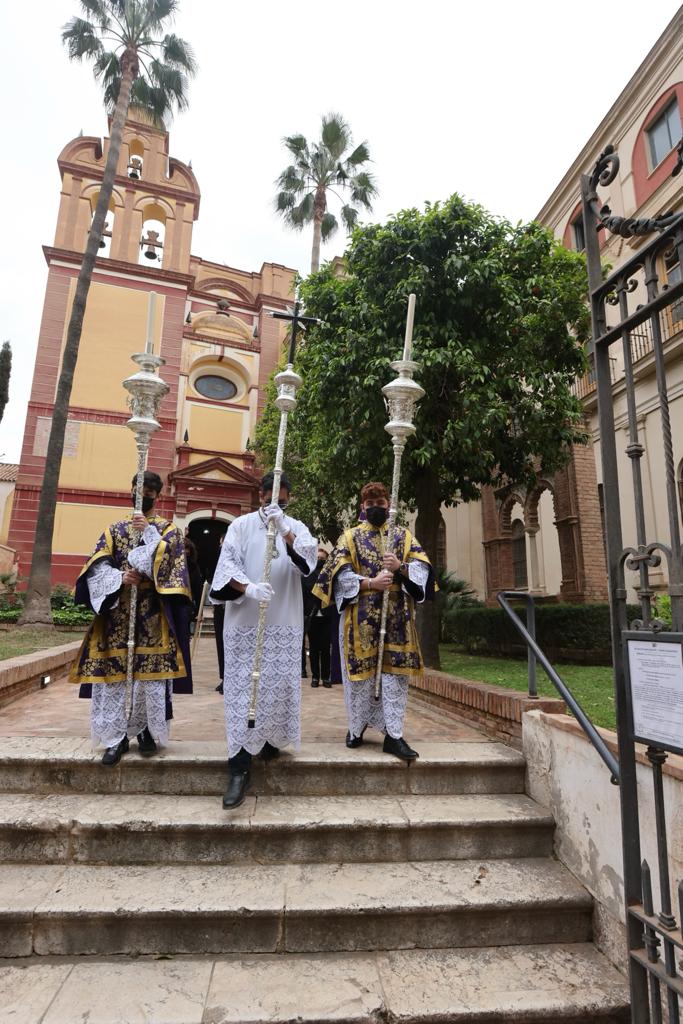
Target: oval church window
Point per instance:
(210, 385)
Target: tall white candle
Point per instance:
(408, 344)
(151, 310)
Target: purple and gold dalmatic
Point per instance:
(163, 611)
(361, 548)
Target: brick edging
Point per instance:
(494, 709)
(22, 675)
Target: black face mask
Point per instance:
(376, 515)
(147, 503)
(321, 562)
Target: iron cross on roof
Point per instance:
(296, 319)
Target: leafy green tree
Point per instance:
(499, 330)
(138, 62)
(317, 170)
(5, 371)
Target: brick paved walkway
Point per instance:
(57, 711)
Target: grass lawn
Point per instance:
(26, 639)
(590, 685)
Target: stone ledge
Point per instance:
(494, 709)
(672, 766)
(21, 675)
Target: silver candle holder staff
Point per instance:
(146, 390)
(402, 396)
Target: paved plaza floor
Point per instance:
(57, 711)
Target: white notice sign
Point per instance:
(656, 671)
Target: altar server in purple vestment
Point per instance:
(148, 551)
(367, 561)
(236, 583)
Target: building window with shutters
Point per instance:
(663, 135)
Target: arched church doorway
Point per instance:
(206, 535)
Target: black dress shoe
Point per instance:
(327, 684)
(219, 688)
(113, 755)
(269, 752)
(146, 743)
(399, 748)
(315, 683)
(237, 790)
(354, 741)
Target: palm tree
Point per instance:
(138, 63)
(321, 168)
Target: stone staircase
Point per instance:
(349, 887)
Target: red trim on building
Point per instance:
(646, 181)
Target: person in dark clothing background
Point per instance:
(317, 626)
(196, 578)
(218, 622)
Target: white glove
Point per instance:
(259, 591)
(275, 513)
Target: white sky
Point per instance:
(491, 99)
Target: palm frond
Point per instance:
(360, 155)
(349, 215)
(363, 189)
(81, 39)
(335, 135)
(284, 201)
(152, 99)
(159, 11)
(302, 213)
(97, 12)
(171, 83)
(328, 226)
(177, 53)
(291, 180)
(107, 70)
(297, 146)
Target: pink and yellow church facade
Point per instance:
(212, 327)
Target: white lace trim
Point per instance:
(103, 579)
(230, 565)
(386, 714)
(278, 715)
(142, 557)
(418, 573)
(346, 586)
(108, 724)
(306, 547)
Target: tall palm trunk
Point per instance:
(319, 207)
(37, 609)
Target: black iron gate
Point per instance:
(634, 313)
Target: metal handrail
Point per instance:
(561, 687)
(531, 627)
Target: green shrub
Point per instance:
(61, 597)
(662, 608)
(580, 628)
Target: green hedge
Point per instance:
(579, 631)
(60, 617)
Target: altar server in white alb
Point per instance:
(236, 583)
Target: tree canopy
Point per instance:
(499, 329)
(5, 371)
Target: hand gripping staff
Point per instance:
(401, 395)
(288, 383)
(146, 390)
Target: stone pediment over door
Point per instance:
(214, 483)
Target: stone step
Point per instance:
(512, 985)
(64, 764)
(100, 910)
(142, 829)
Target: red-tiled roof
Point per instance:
(8, 472)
